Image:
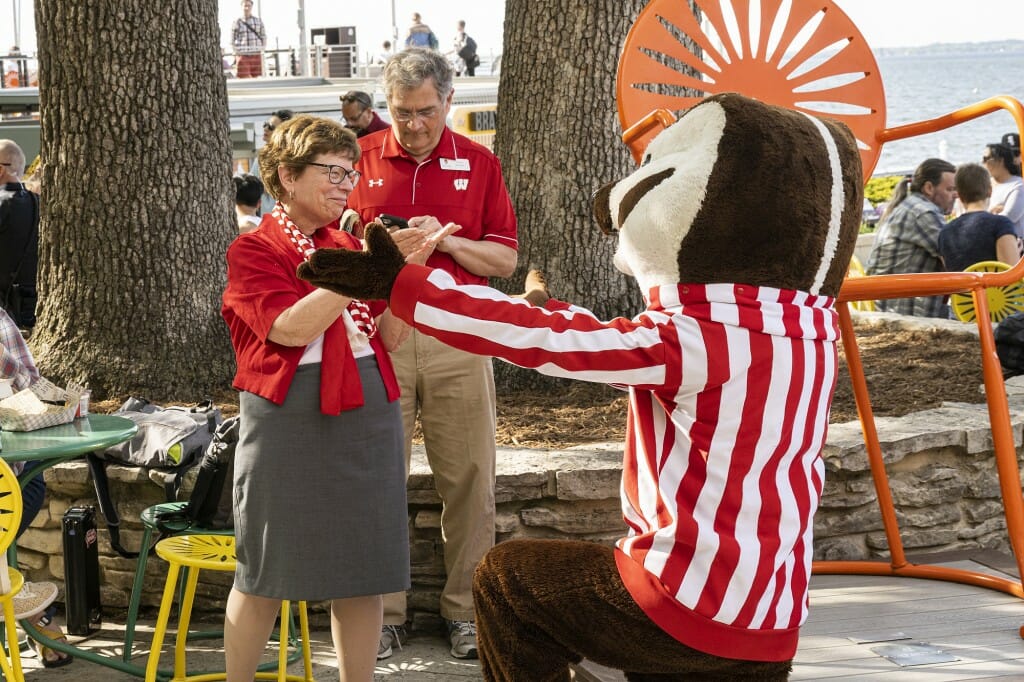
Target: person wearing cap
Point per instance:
(360, 118)
(1012, 140)
(1007, 185)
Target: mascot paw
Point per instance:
(365, 275)
(535, 289)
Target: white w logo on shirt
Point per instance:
(461, 184)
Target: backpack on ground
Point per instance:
(1009, 338)
(168, 438)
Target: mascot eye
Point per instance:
(646, 160)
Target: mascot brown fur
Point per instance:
(738, 227)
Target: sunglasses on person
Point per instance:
(357, 97)
(267, 125)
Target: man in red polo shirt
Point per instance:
(419, 169)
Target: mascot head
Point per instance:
(748, 192)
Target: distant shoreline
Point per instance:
(987, 49)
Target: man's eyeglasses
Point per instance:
(404, 116)
(337, 174)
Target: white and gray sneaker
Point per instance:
(462, 635)
(388, 640)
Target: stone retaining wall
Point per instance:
(940, 462)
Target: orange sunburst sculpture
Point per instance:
(800, 54)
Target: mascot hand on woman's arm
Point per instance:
(738, 227)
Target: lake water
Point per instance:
(919, 87)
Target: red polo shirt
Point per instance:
(460, 182)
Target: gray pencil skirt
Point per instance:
(320, 506)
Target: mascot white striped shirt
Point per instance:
(730, 387)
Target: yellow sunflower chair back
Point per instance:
(857, 270)
(10, 579)
(1002, 301)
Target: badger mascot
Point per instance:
(738, 228)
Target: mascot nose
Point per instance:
(603, 209)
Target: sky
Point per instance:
(884, 23)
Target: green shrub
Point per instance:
(880, 187)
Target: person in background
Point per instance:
(420, 34)
(357, 110)
(423, 171)
(248, 37)
(18, 366)
(385, 53)
(464, 48)
(248, 191)
(1007, 185)
(19, 238)
(321, 429)
(269, 126)
(977, 235)
(907, 238)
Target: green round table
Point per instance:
(56, 444)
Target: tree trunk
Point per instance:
(558, 137)
(137, 197)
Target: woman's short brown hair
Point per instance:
(298, 142)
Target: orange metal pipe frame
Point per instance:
(931, 284)
(920, 284)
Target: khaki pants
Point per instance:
(452, 392)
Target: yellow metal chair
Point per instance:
(857, 270)
(1002, 301)
(11, 580)
(216, 553)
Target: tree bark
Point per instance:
(137, 198)
(558, 137)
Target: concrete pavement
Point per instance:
(422, 658)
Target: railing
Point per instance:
(19, 71)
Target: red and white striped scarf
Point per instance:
(357, 313)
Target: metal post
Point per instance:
(303, 45)
(394, 28)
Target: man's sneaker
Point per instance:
(462, 635)
(388, 639)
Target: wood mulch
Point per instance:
(906, 371)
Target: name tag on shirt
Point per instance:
(455, 164)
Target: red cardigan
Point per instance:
(261, 285)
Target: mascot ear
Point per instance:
(366, 275)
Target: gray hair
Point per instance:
(411, 68)
(11, 153)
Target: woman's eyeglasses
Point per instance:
(267, 125)
(337, 174)
(987, 157)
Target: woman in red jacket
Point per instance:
(319, 490)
